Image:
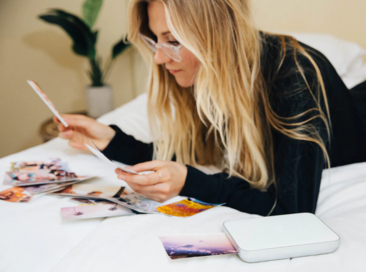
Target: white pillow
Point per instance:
(346, 57)
(131, 118)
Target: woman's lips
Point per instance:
(174, 71)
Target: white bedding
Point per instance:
(34, 238)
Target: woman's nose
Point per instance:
(160, 57)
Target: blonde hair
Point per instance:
(225, 119)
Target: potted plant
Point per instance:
(99, 95)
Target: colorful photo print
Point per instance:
(186, 207)
(24, 178)
(91, 190)
(139, 201)
(179, 246)
(39, 165)
(94, 211)
(16, 194)
(46, 100)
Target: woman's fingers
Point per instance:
(66, 134)
(167, 180)
(147, 166)
(154, 192)
(76, 145)
(76, 120)
(143, 180)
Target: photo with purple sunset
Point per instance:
(179, 246)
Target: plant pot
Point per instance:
(99, 100)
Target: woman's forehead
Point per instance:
(157, 19)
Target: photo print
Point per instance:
(46, 100)
(24, 178)
(94, 211)
(16, 194)
(39, 165)
(120, 195)
(186, 207)
(26, 194)
(179, 246)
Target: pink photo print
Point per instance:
(46, 100)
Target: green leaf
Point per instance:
(119, 47)
(84, 39)
(95, 73)
(91, 10)
(80, 45)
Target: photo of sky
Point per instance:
(94, 211)
(180, 246)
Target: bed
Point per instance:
(34, 238)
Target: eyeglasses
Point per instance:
(172, 51)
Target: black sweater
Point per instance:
(298, 164)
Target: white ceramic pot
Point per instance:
(99, 100)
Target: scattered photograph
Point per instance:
(186, 207)
(179, 246)
(16, 194)
(110, 193)
(139, 201)
(24, 178)
(90, 201)
(47, 188)
(46, 100)
(91, 190)
(39, 165)
(94, 211)
(25, 193)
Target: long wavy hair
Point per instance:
(225, 118)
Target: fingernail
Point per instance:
(122, 177)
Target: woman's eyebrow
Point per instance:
(165, 33)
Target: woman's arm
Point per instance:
(299, 167)
(127, 149)
(113, 142)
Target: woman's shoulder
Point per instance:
(283, 55)
(290, 68)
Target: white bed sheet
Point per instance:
(33, 237)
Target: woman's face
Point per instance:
(184, 71)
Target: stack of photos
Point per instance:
(35, 178)
(51, 164)
(180, 246)
(119, 195)
(186, 207)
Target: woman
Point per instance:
(267, 110)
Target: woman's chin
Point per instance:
(183, 82)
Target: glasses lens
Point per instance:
(171, 53)
(149, 42)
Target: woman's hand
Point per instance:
(82, 129)
(166, 182)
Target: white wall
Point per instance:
(32, 49)
(343, 18)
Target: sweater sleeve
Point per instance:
(298, 173)
(126, 149)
